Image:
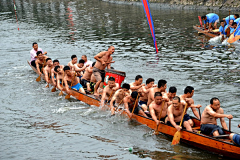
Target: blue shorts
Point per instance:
(208, 129)
(140, 103)
(77, 86)
(236, 139)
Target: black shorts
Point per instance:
(136, 110)
(208, 129)
(33, 63)
(84, 83)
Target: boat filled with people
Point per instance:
(98, 84)
(229, 27)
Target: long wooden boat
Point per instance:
(201, 30)
(218, 145)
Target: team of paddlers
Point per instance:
(228, 25)
(149, 100)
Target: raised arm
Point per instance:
(132, 87)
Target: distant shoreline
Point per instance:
(189, 6)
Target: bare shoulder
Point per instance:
(220, 110)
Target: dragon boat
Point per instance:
(220, 145)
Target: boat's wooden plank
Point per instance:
(209, 34)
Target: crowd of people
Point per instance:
(148, 100)
(228, 25)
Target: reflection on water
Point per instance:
(34, 118)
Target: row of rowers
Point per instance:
(83, 74)
(153, 101)
(228, 23)
(148, 100)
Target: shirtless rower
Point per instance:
(72, 62)
(33, 53)
(59, 77)
(169, 96)
(137, 84)
(118, 96)
(187, 97)
(53, 73)
(209, 118)
(47, 70)
(85, 80)
(144, 90)
(175, 113)
(104, 59)
(79, 68)
(155, 108)
(70, 79)
(109, 91)
(40, 62)
(129, 103)
(162, 85)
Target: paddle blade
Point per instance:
(61, 93)
(38, 79)
(47, 86)
(176, 138)
(67, 96)
(215, 30)
(54, 89)
(232, 39)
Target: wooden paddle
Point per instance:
(54, 89)
(110, 96)
(160, 115)
(61, 93)
(230, 125)
(215, 30)
(199, 113)
(119, 104)
(135, 105)
(177, 135)
(68, 95)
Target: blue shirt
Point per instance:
(237, 20)
(231, 29)
(237, 32)
(211, 18)
(222, 30)
(231, 18)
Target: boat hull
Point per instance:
(201, 30)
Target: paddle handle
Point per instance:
(110, 96)
(230, 125)
(135, 103)
(199, 113)
(183, 114)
